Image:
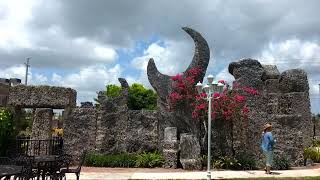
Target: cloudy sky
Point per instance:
(87, 44)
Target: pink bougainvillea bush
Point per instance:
(183, 91)
(230, 104)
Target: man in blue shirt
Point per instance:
(267, 146)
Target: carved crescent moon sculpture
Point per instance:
(162, 82)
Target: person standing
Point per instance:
(267, 146)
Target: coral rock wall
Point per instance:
(283, 101)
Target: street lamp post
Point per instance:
(209, 89)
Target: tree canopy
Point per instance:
(139, 96)
(113, 90)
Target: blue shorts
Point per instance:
(269, 157)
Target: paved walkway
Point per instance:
(160, 173)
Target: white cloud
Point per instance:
(171, 58)
(93, 49)
(89, 80)
(56, 78)
(225, 75)
(13, 32)
(40, 79)
(291, 53)
(18, 35)
(294, 53)
(13, 72)
(104, 53)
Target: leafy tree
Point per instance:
(113, 90)
(139, 97)
(6, 129)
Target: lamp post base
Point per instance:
(209, 175)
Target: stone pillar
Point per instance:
(79, 131)
(190, 152)
(41, 130)
(170, 147)
(41, 127)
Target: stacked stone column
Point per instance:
(170, 147)
(41, 130)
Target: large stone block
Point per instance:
(142, 131)
(42, 97)
(170, 133)
(294, 80)
(80, 130)
(293, 134)
(272, 86)
(247, 72)
(112, 122)
(190, 150)
(270, 72)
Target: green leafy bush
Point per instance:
(281, 162)
(6, 129)
(117, 160)
(149, 160)
(113, 90)
(312, 153)
(139, 97)
(152, 159)
(226, 162)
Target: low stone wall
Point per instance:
(127, 131)
(41, 97)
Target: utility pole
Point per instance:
(27, 70)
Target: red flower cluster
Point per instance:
(239, 98)
(183, 91)
(226, 105)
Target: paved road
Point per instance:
(159, 173)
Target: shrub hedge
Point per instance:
(146, 160)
